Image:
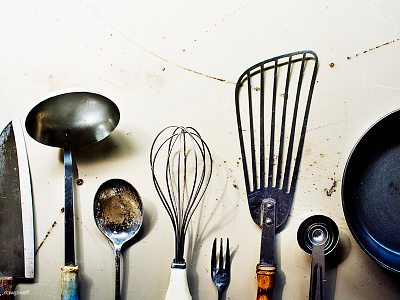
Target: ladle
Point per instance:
(71, 120)
(317, 235)
(118, 213)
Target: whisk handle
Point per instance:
(178, 286)
(265, 281)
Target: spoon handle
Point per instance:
(117, 273)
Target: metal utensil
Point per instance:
(370, 192)
(317, 235)
(289, 80)
(181, 166)
(118, 213)
(69, 121)
(220, 275)
(16, 212)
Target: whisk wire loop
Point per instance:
(187, 171)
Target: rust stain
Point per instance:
(48, 233)
(79, 181)
(374, 48)
(196, 72)
(332, 189)
(331, 65)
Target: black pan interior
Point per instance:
(371, 192)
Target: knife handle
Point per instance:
(265, 282)
(69, 283)
(7, 284)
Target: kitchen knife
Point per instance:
(16, 211)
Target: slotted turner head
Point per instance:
(273, 101)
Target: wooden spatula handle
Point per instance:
(265, 282)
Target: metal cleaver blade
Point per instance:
(16, 209)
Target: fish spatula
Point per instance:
(271, 136)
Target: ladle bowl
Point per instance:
(118, 213)
(72, 120)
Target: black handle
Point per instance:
(317, 273)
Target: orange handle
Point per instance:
(265, 282)
(7, 288)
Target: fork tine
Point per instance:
(214, 255)
(227, 257)
(221, 257)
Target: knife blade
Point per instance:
(16, 209)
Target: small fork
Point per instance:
(219, 275)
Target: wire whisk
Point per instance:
(181, 166)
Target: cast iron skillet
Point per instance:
(371, 191)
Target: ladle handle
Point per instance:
(117, 273)
(317, 273)
(69, 283)
(265, 282)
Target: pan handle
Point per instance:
(265, 281)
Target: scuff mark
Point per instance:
(48, 232)
(386, 87)
(225, 106)
(374, 48)
(152, 53)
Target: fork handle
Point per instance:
(265, 281)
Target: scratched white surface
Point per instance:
(175, 63)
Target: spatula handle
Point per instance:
(7, 287)
(69, 283)
(265, 282)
